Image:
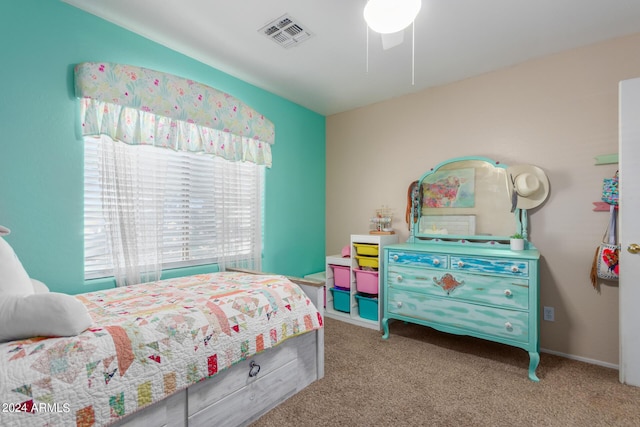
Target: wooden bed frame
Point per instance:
(234, 397)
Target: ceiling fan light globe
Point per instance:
(391, 16)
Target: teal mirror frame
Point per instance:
(481, 210)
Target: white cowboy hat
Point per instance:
(529, 186)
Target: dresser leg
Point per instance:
(534, 360)
(385, 328)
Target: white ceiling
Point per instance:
(454, 40)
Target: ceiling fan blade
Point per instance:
(392, 39)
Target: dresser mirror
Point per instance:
(465, 198)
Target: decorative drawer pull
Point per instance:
(254, 368)
(395, 257)
(515, 269)
(508, 326)
(508, 292)
(448, 282)
(399, 304)
(399, 278)
(436, 261)
(460, 264)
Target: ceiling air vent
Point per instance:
(286, 31)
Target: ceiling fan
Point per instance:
(390, 18)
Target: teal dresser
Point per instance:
(478, 290)
(468, 267)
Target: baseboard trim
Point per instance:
(581, 359)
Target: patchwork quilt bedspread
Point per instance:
(147, 342)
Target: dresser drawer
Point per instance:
(418, 259)
(450, 313)
(490, 265)
(507, 292)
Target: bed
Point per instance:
(212, 349)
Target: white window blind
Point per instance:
(211, 207)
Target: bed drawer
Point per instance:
(284, 370)
(507, 292)
(418, 259)
(201, 395)
(259, 395)
(450, 313)
(509, 267)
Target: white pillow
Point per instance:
(14, 279)
(38, 286)
(48, 314)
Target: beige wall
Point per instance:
(558, 113)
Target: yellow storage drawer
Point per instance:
(367, 261)
(366, 249)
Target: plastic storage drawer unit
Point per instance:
(367, 261)
(340, 300)
(366, 281)
(368, 307)
(341, 276)
(365, 249)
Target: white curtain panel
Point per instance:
(132, 198)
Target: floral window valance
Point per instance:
(141, 106)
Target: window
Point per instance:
(209, 209)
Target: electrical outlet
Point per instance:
(549, 314)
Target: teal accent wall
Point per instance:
(41, 155)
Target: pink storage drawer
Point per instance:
(366, 281)
(341, 276)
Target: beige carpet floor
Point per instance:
(422, 377)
